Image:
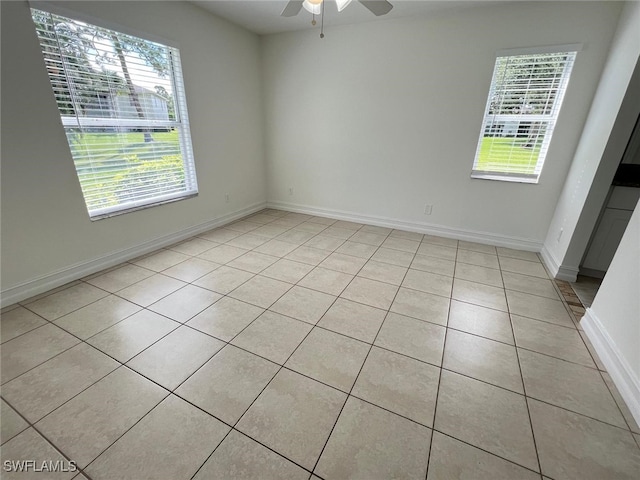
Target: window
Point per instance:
(523, 105)
(122, 104)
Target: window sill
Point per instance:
(123, 211)
(532, 179)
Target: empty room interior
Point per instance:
(320, 240)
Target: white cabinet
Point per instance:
(610, 228)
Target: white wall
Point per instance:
(378, 119)
(613, 321)
(610, 122)
(45, 227)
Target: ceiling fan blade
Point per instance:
(377, 7)
(292, 8)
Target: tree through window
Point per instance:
(122, 104)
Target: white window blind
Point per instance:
(523, 105)
(122, 104)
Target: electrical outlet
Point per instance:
(290, 190)
(428, 209)
(226, 198)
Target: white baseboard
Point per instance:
(592, 272)
(618, 368)
(458, 234)
(561, 272)
(55, 279)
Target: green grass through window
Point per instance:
(507, 155)
(110, 164)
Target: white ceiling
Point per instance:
(263, 16)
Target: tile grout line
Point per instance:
(488, 452)
(615, 401)
(316, 266)
(444, 346)
(132, 426)
(403, 355)
(524, 388)
(110, 356)
(36, 429)
(576, 324)
(282, 366)
(361, 366)
(355, 380)
(121, 364)
(179, 324)
(85, 279)
(80, 340)
(239, 332)
(171, 392)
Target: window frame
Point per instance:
(179, 123)
(548, 120)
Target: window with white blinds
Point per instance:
(122, 104)
(523, 105)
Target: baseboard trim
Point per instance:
(458, 234)
(618, 368)
(558, 271)
(591, 272)
(80, 270)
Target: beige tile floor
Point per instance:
(291, 346)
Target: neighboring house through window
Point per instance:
(525, 96)
(122, 104)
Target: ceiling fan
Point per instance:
(377, 7)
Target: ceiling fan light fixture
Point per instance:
(313, 6)
(342, 4)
